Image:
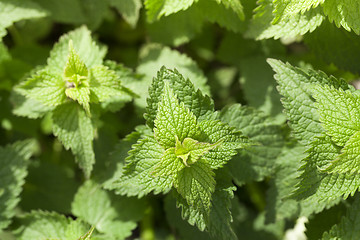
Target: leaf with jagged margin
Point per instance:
(129, 10)
(112, 215)
(28, 107)
(88, 50)
(344, 13)
(258, 161)
(228, 140)
(324, 44)
(321, 187)
(339, 113)
(173, 120)
(153, 57)
(75, 130)
(155, 9)
(196, 184)
(13, 169)
(217, 221)
(49, 225)
(137, 177)
(201, 106)
(45, 87)
(15, 10)
(299, 24)
(178, 28)
(282, 184)
(295, 85)
(285, 9)
(348, 228)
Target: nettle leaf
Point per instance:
(111, 215)
(156, 9)
(173, 120)
(13, 169)
(343, 13)
(50, 225)
(137, 178)
(88, 50)
(196, 184)
(296, 87)
(299, 23)
(199, 105)
(339, 112)
(44, 87)
(317, 185)
(285, 9)
(16, 10)
(348, 228)
(75, 130)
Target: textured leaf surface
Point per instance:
(107, 212)
(261, 26)
(321, 186)
(137, 178)
(50, 225)
(87, 49)
(75, 131)
(15, 10)
(13, 169)
(196, 184)
(339, 112)
(157, 8)
(296, 87)
(348, 228)
(343, 13)
(45, 87)
(288, 8)
(173, 120)
(200, 105)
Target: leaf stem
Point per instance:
(146, 225)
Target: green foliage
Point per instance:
(168, 122)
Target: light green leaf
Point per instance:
(285, 9)
(157, 8)
(199, 105)
(348, 228)
(169, 164)
(44, 86)
(106, 212)
(137, 178)
(287, 27)
(50, 225)
(129, 10)
(173, 120)
(13, 169)
(339, 112)
(196, 184)
(81, 94)
(87, 49)
(296, 87)
(153, 57)
(324, 188)
(348, 161)
(227, 139)
(343, 13)
(15, 10)
(75, 130)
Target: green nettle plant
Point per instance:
(198, 119)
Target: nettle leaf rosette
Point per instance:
(73, 80)
(187, 145)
